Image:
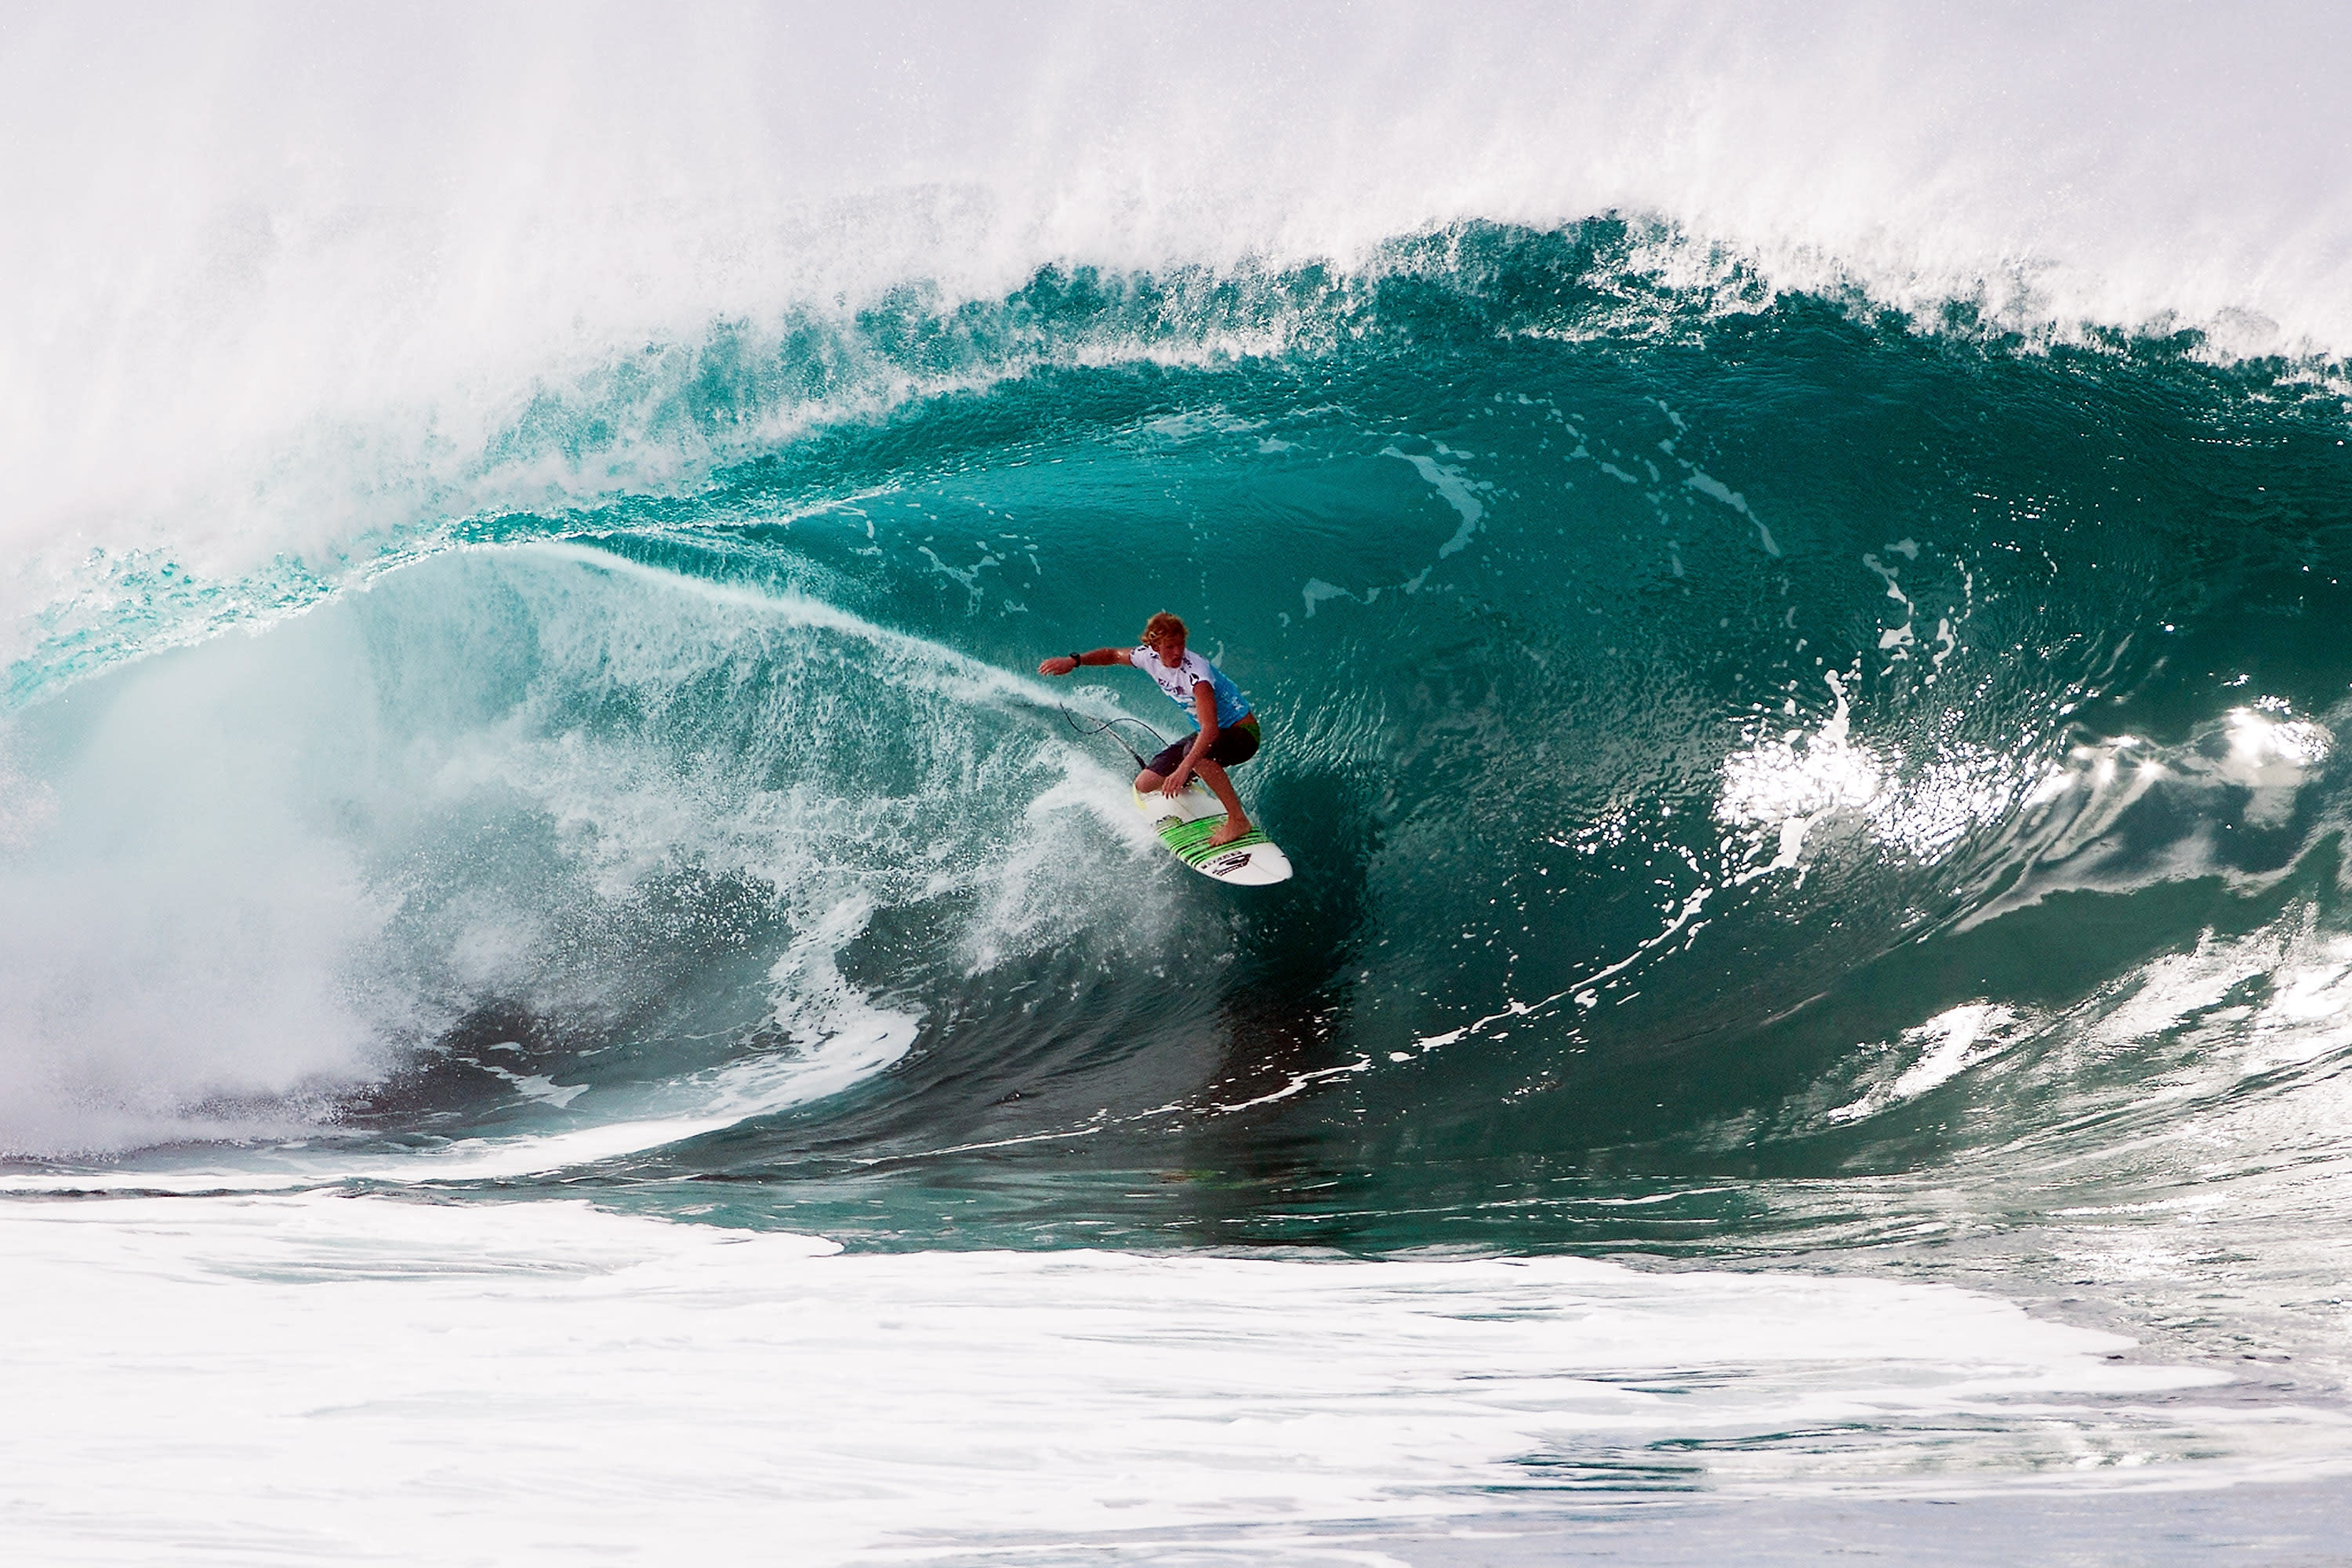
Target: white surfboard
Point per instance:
(1184, 825)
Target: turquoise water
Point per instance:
(1799, 777)
(568, 988)
(1562, 593)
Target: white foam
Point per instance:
(277, 863)
(318, 1378)
(1458, 490)
(1708, 485)
(2256, 761)
(1941, 1050)
(2272, 757)
(1792, 781)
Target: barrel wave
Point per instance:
(1785, 773)
(1723, 736)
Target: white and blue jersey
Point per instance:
(1189, 672)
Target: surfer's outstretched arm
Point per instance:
(1064, 664)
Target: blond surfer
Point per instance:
(1228, 735)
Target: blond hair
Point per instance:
(1163, 624)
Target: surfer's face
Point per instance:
(1171, 649)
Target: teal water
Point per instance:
(567, 989)
(1765, 775)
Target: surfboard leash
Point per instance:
(1103, 727)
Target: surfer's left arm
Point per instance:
(1067, 664)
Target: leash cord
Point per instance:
(1103, 726)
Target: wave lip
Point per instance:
(344, 305)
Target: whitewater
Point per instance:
(565, 989)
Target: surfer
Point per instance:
(1228, 735)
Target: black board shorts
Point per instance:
(1235, 744)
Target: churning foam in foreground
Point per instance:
(543, 1380)
(341, 252)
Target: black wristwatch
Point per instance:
(1077, 660)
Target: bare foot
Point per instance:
(1229, 832)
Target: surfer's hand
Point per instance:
(1175, 784)
(1060, 664)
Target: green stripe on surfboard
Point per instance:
(1190, 840)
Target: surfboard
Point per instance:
(1184, 824)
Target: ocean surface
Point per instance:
(565, 986)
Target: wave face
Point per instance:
(1718, 734)
(1788, 748)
